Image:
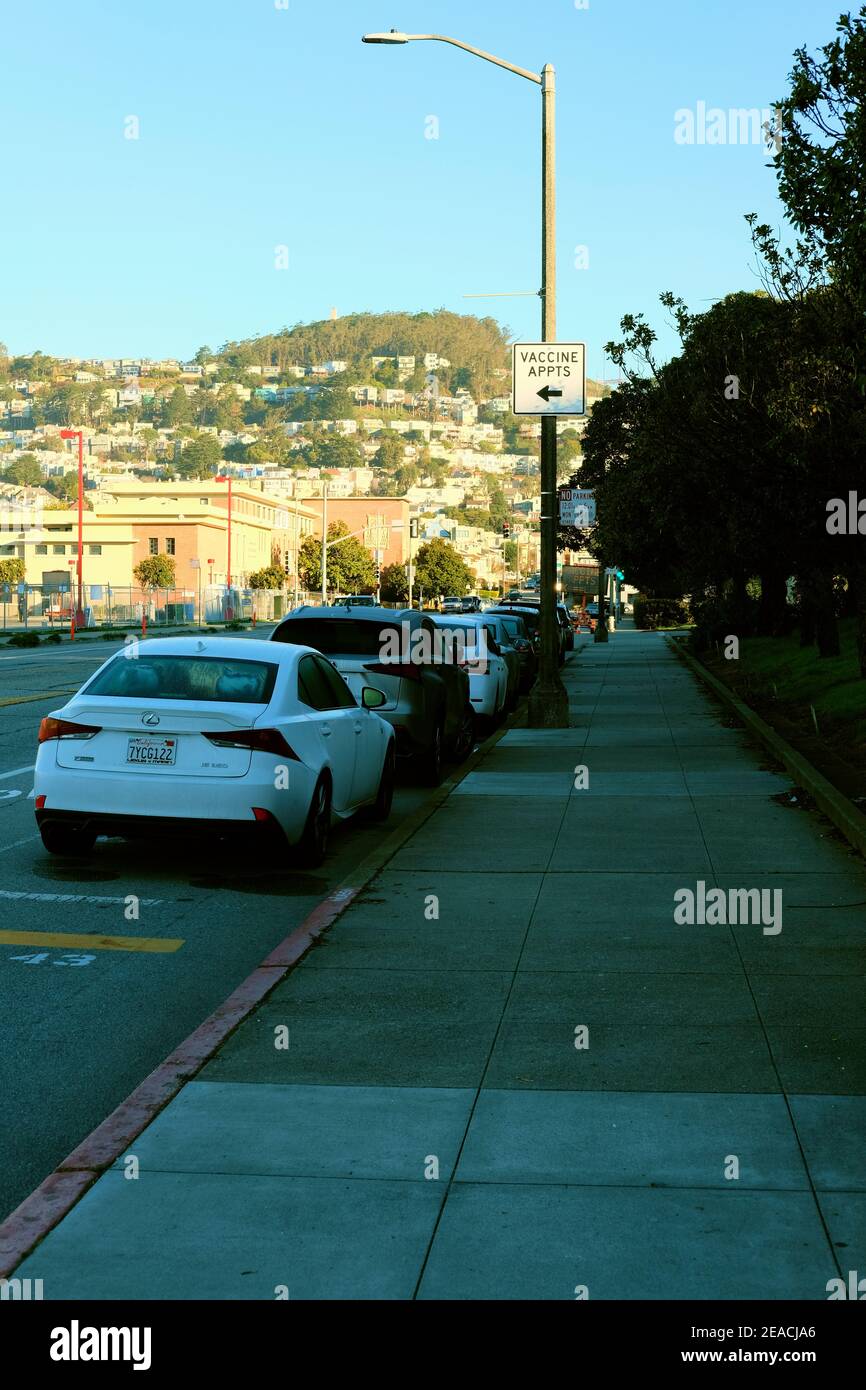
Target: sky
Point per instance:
(282, 169)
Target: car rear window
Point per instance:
(227, 680)
(337, 636)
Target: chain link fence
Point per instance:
(43, 607)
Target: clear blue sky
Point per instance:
(262, 126)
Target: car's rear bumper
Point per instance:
(158, 827)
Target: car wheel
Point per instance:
(381, 807)
(466, 736)
(313, 844)
(66, 839)
(430, 762)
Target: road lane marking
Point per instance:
(16, 843)
(16, 771)
(65, 940)
(8, 794)
(29, 699)
(20, 895)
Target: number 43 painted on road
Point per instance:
(40, 956)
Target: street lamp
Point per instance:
(227, 478)
(548, 701)
(79, 435)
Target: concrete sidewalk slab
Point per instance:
(607, 1139)
(831, 1130)
(306, 1131)
(499, 1241)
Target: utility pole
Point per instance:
(548, 701)
(324, 543)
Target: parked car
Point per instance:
(533, 607)
(490, 680)
(427, 702)
(356, 601)
(187, 736)
(452, 605)
(521, 641)
(470, 604)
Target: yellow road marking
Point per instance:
(65, 940)
(28, 699)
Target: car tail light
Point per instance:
(261, 814)
(257, 740)
(65, 728)
(40, 802)
(404, 671)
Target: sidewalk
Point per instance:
(440, 1126)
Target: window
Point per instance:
(42, 550)
(198, 678)
(169, 545)
(94, 550)
(320, 687)
(58, 550)
(152, 545)
(9, 549)
(341, 695)
(205, 501)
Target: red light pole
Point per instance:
(227, 478)
(79, 435)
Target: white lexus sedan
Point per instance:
(212, 736)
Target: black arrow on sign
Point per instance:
(547, 391)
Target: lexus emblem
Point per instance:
(151, 720)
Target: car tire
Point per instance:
(465, 739)
(380, 809)
(66, 839)
(430, 762)
(313, 844)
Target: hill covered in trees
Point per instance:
(476, 348)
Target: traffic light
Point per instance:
(506, 530)
(413, 528)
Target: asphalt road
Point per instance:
(80, 1029)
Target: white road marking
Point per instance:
(16, 843)
(9, 895)
(16, 772)
(9, 795)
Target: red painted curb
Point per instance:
(54, 1198)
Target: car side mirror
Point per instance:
(373, 699)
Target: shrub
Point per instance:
(54, 637)
(651, 613)
(24, 639)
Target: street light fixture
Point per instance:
(548, 701)
(79, 604)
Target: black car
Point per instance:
(521, 640)
(531, 612)
(396, 651)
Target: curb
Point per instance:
(57, 1194)
(834, 804)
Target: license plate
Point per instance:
(151, 752)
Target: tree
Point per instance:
(201, 457)
(274, 447)
(394, 583)
(439, 569)
(177, 408)
(65, 488)
(351, 569)
(25, 471)
(390, 453)
(269, 577)
(155, 572)
(12, 571)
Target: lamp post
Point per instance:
(227, 478)
(324, 542)
(548, 701)
(79, 605)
